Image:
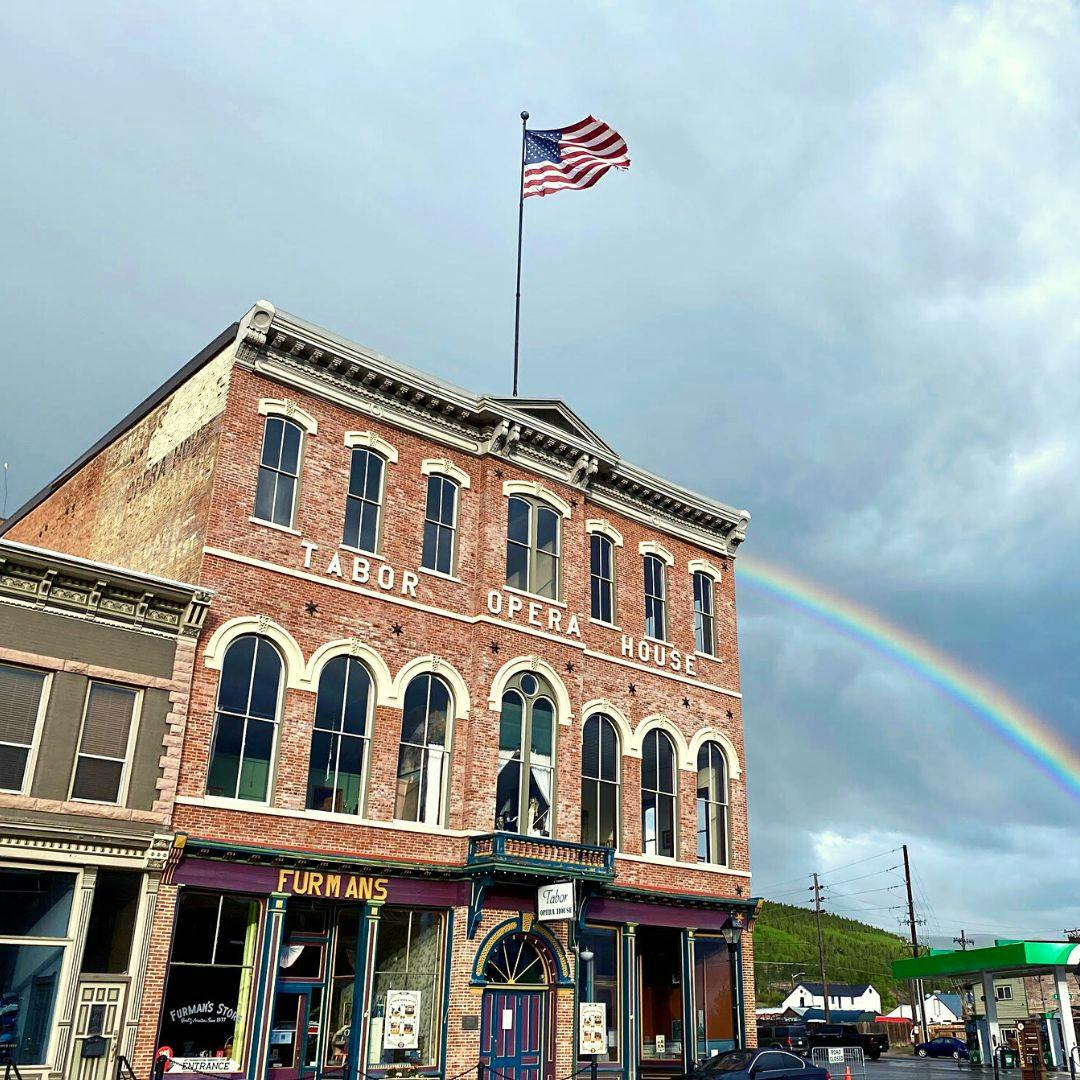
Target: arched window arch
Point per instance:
(339, 739)
(364, 501)
(600, 782)
(425, 749)
(524, 791)
(515, 960)
(279, 472)
(533, 546)
(712, 804)
(245, 728)
(658, 794)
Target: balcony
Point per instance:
(509, 855)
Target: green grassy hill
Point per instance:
(785, 943)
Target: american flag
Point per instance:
(572, 157)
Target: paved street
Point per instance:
(897, 1067)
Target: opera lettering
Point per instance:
(360, 571)
(331, 886)
(521, 609)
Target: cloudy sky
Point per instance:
(838, 286)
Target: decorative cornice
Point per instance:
(66, 585)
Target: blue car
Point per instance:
(756, 1065)
(943, 1046)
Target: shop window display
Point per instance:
(603, 943)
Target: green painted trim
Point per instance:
(687, 899)
(448, 953)
(1018, 956)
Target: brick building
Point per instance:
(95, 674)
(459, 650)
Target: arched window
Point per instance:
(525, 786)
(655, 598)
(364, 500)
(425, 746)
(658, 791)
(245, 730)
(711, 804)
(704, 637)
(279, 472)
(602, 578)
(532, 547)
(515, 961)
(440, 524)
(339, 739)
(600, 782)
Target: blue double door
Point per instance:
(513, 1034)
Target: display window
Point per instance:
(714, 997)
(660, 977)
(211, 971)
(35, 913)
(603, 943)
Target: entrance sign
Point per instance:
(554, 903)
(203, 1065)
(592, 1027)
(401, 1027)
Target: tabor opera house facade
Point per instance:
(462, 776)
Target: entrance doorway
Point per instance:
(515, 1019)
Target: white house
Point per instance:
(854, 996)
(940, 1009)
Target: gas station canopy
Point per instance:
(1006, 958)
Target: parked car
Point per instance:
(782, 1036)
(756, 1065)
(873, 1045)
(943, 1046)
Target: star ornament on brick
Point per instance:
(397, 629)
(730, 715)
(631, 689)
(311, 607)
(494, 647)
(569, 665)
(686, 703)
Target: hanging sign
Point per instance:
(555, 903)
(401, 1024)
(592, 1027)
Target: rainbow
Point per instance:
(1056, 757)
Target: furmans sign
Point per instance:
(331, 886)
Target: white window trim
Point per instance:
(603, 527)
(445, 467)
(274, 525)
(563, 708)
(370, 441)
(125, 769)
(535, 490)
(654, 547)
(703, 566)
(39, 720)
(289, 410)
(291, 654)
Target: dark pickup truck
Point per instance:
(873, 1045)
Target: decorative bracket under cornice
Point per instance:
(585, 468)
(504, 437)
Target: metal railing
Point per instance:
(124, 1071)
(511, 850)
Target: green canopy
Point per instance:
(1021, 957)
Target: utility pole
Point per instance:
(816, 889)
(963, 941)
(914, 948)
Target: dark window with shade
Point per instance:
(532, 547)
(112, 922)
(712, 805)
(658, 791)
(246, 723)
(364, 500)
(704, 639)
(600, 782)
(339, 740)
(655, 598)
(440, 524)
(21, 690)
(103, 744)
(524, 789)
(602, 578)
(279, 472)
(425, 750)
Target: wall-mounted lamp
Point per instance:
(733, 932)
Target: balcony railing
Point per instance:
(536, 856)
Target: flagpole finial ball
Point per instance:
(524, 114)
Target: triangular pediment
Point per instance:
(557, 414)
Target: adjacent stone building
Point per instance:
(95, 674)
(459, 652)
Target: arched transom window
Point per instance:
(525, 786)
(339, 739)
(712, 804)
(600, 782)
(245, 728)
(515, 961)
(658, 790)
(425, 748)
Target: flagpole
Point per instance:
(521, 224)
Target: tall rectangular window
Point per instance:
(279, 472)
(713, 985)
(440, 523)
(21, 692)
(655, 599)
(364, 500)
(602, 578)
(703, 613)
(532, 548)
(603, 943)
(103, 745)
